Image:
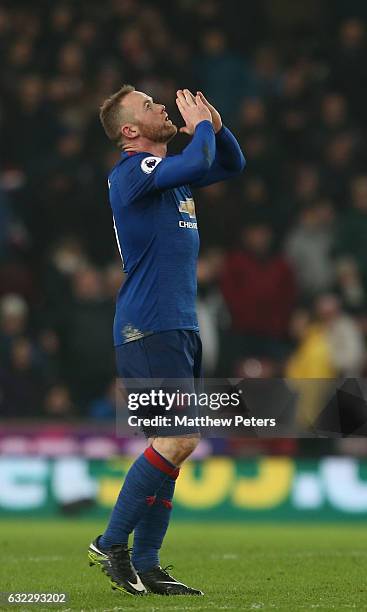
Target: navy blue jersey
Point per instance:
(157, 234)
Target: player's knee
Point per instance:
(185, 446)
(176, 450)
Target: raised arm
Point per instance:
(196, 159)
(228, 162)
(192, 164)
(229, 159)
(151, 173)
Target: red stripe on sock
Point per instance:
(167, 503)
(160, 463)
(150, 500)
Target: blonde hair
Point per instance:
(112, 115)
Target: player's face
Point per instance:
(151, 118)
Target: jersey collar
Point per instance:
(125, 154)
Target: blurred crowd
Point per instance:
(282, 274)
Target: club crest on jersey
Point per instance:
(149, 163)
(188, 206)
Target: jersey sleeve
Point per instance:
(136, 177)
(228, 162)
(146, 173)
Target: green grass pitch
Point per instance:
(239, 566)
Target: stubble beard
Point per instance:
(162, 134)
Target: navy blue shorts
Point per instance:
(175, 354)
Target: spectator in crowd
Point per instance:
(211, 309)
(104, 407)
(344, 338)
(339, 162)
(309, 368)
(309, 249)
(307, 186)
(64, 260)
(334, 120)
(87, 336)
(57, 403)
(294, 110)
(350, 286)
(5, 224)
(21, 382)
(352, 227)
(13, 322)
(346, 63)
(329, 346)
(49, 355)
(220, 73)
(259, 289)
(266, 72)
(213, 199)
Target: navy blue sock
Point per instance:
(151, 529)
(138, 492)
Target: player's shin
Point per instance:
(151, 529)
(142, 482)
